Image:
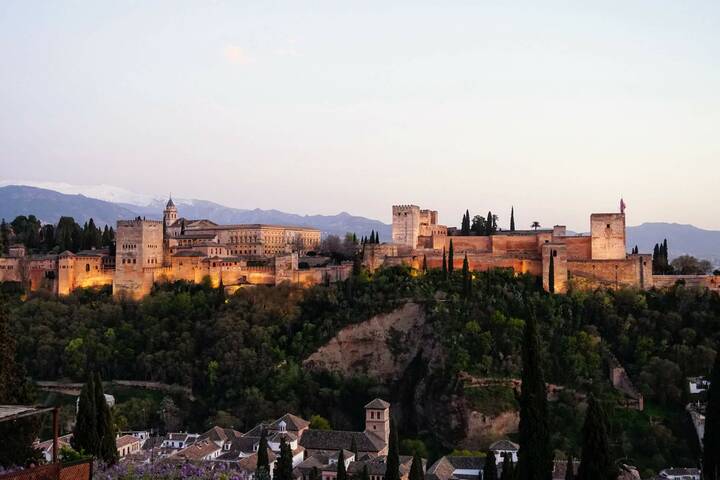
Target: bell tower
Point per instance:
(170, 213)
(377, 419)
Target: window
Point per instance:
(608, 225)
(87, 267)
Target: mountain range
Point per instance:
(106, 204)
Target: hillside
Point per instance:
(682, 239)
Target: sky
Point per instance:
(556, 108)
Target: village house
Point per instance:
(128, 445)
(501, 448)
(451, 467)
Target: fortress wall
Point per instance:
(476, 261)
(558, 252)
(514, 244)
(87, 272)
(607, 273)
(467, 244)
(406, 224)
(578, 248)
(9, 269)
(699, 281)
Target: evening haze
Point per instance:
(557, 108)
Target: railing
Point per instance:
(80, 470)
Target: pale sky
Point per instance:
(554, 107)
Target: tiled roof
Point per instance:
(190, 253)
(197, 451)
(466, 463)
(444, 468)
(277, 437)
(292, 422)
(378, 465)
(504, 445)
(257, 430)
(249, 464)
(126, 440)
(378, 403)
(336, 439)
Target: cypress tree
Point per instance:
(535, 458)
(315, 474)
(4, 236)
(512, 219)
(444, 264)
(467, 280)
(354, 447)
(424, 268)
(262, 455)
(570, 469)
(489, 224)
(551, 273)
(341, 473)
(508, 468)
(595, 463)
(711, 439)
(416, 469)
(85, 434)
(106, 427)
(283, 467)
(451, 258)
(465, 227)
(392, 464)
(490, 468)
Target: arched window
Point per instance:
(87, 267)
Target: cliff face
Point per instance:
(401, 350)
(381, 347)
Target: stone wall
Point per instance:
(699, 281)
(558, 252)
(405, 225)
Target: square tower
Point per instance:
(406, 225)
(138, 251)
(608, 236)
(377, 419)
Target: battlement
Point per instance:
(405, 207)
(139, 223)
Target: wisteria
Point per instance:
(167, 471)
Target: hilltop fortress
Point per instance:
(599, 259)
(175, 248)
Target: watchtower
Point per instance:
(377, 419)
(406, 225)
(608, 236)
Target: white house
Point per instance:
(505, 447)
(680, 474)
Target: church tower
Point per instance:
(377, 419)
(170, 213)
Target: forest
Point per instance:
(242, 354)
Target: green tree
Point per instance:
(466, 278)
(4, 236)
(365, 474)
(416, 469)
(105, 425)
(262, 455)
(16, 447)
(424, 264)
(444, 264)
(284, 466)
(551, 273)
(392, 464)
(451, 258)
(595, 463)
(85, 434)
(490, 468)
(315, 474)
(489, 223)
(318, 422)
(465, 227)
(535, 458)
(354, 448)
(711, 439)
(68, 234)
(341, 472)
(535, 225)
(512, 219)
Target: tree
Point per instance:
(467, 278)
(595, 463)
(535, 225)
(570, 469)
(444, 264)
(16, 448)
(478, 225)
(315, 474)
(508, 468)
(4, 236)
(416, 469)
(105, 425)
(354, 447)
(535, 457)
(689, 265)
(341, 472)
(551, 273)
(489, 224)
(262, 455)
(512, 219)
(424, 264)
(465, 226)
(284, 466)
(318, 422)
(490, 468)
(711, 439)
(67, 234)
(85, 434)
(392, 464)
(451, 258)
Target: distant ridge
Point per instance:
(49, 206)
